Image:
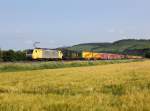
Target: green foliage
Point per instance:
(9, 55)
(12, 56)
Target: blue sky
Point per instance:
(56, 23)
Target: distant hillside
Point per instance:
(132, 46)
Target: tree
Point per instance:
(20, 56)
(8, 55)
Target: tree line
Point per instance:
(11, 55)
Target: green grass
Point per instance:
(9, 67)
(113, 87)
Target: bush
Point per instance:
(11, 56)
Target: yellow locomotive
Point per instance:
(43, 53)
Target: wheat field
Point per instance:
(112, 87)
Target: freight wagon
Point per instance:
(91, 55)
(71, 55)
(101, 56)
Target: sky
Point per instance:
(56, 23)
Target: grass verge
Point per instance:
(10, 67)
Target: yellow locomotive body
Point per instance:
(46, 54)
(37, 54)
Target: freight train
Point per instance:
(63, 54)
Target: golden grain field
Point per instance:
(114, 87)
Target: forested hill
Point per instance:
(129, 46)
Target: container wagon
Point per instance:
(91, 55)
